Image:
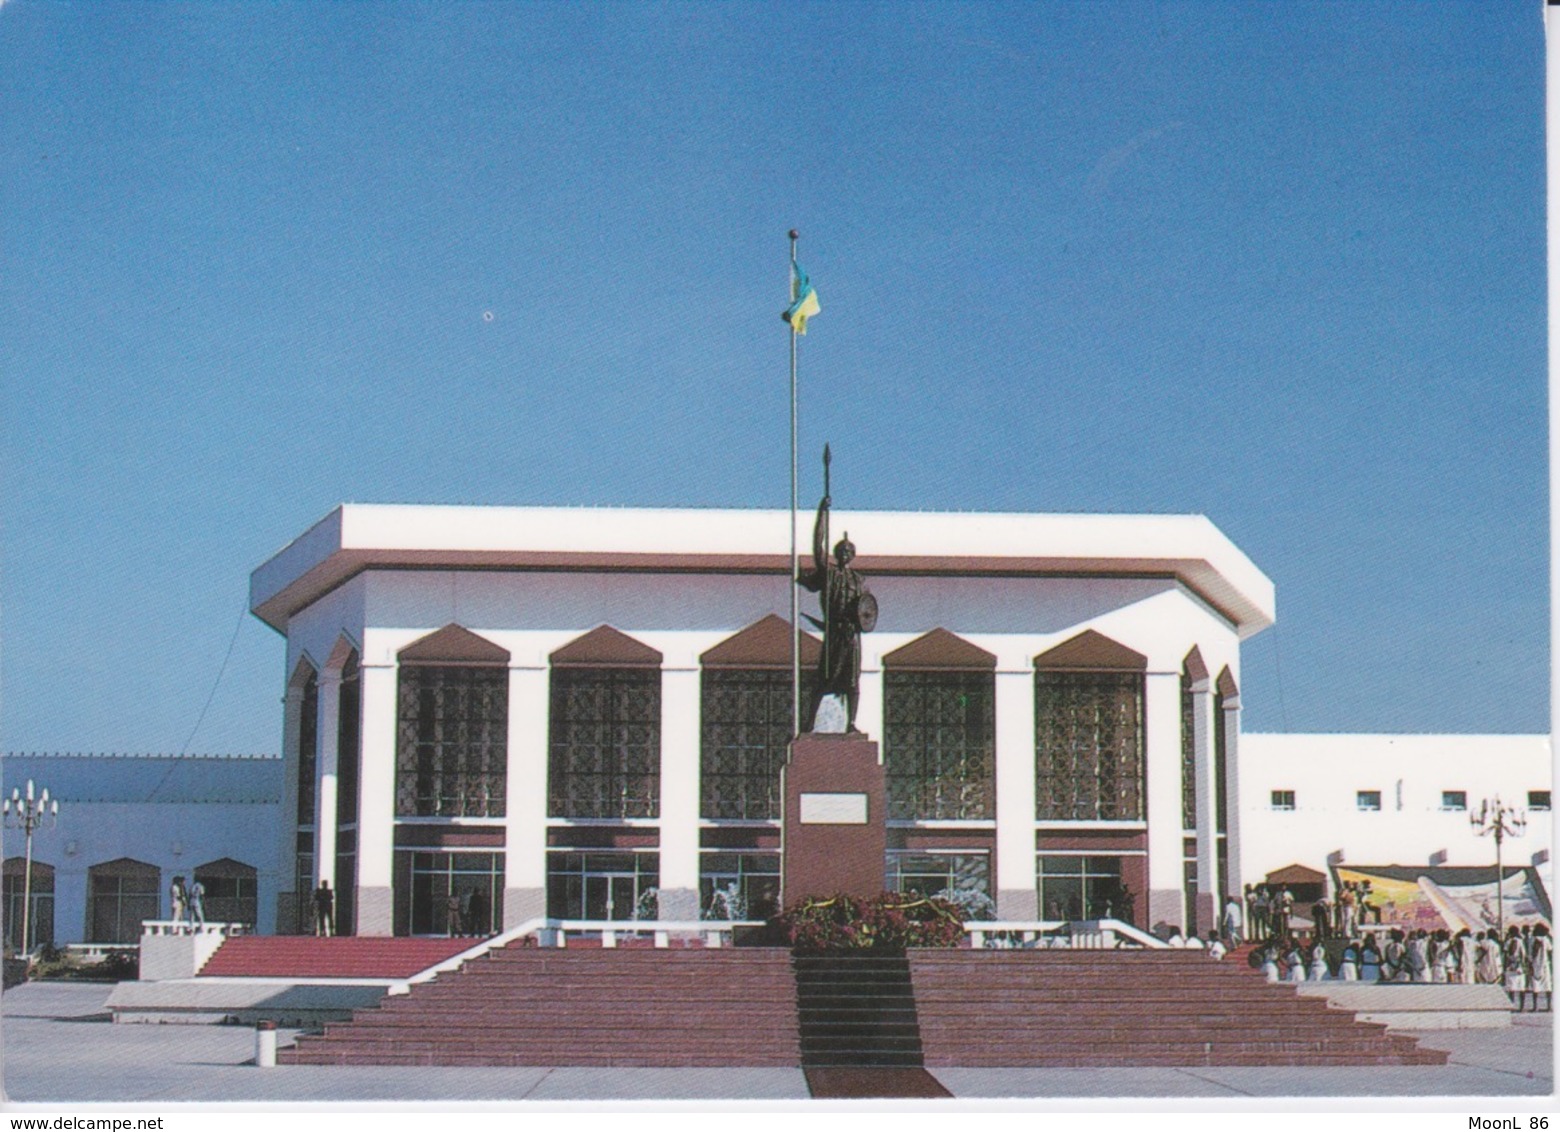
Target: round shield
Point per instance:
(866, 612)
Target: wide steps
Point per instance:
(1106, 1009)
(590, 1007)
(335, 957)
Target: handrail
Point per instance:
(1082, 934)
(610, 930)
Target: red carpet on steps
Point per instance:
(341, 957)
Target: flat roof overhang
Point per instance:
(357, 537)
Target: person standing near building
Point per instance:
(1319, 968)
(197, 903)
(324, 910)
(1234, 925)
(1488, 969)
(1467, 957)
(1349, 967)
(1346, 910)
(1516, 973)
(176, 900)
(1370, 961)
(1261, 925)
(1541, 975)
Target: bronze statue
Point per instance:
(848, 611)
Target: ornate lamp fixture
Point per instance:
(28, 814)
(1494, 817)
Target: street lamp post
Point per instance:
(28, 814)
(1502, 821)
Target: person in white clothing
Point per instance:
(1541, 975)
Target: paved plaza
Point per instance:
(60, 1047)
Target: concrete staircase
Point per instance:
(1141, 1008)
(528, 1006)
(339, 957)
(856, 1010)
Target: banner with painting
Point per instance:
(1447, 896)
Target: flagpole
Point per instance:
(796, 648)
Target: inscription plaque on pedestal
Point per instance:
(834, 833)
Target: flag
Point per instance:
(805, 305)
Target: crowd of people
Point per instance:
(1522, 963)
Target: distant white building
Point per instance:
(1330, 800)
(128, 824)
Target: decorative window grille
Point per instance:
(349, 747)
(452, 741)
(939, 738)
(746, 730)
(1089, 746)
(1221, 767)
(605, 748)
(1188, 756)
(308, 747)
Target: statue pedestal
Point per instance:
(834, 836)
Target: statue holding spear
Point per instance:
(848, 611)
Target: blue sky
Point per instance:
(1279, 264)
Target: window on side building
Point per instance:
(1367, 800)
(1454, 799)
(1282, 800)
(1538, 800)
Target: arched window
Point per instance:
(939, 729)
(40, 924)
(308, 741)
(1194, 677)
(231, 895)
(1089, 731)
(121, 894)
(452, 726)
(349, 747)
(604, 728)
(745, 719)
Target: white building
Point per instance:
(129, 824)
(1363, 800)
(563, 709)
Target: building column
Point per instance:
(1207, 902)
(376, 799)
(1015, 735)
(1234, 883)
(288, 902)
(525, 798)
(1162, 759)
(328, 741)
(869, 707)
(679, 862)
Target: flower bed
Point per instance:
(890, 922)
